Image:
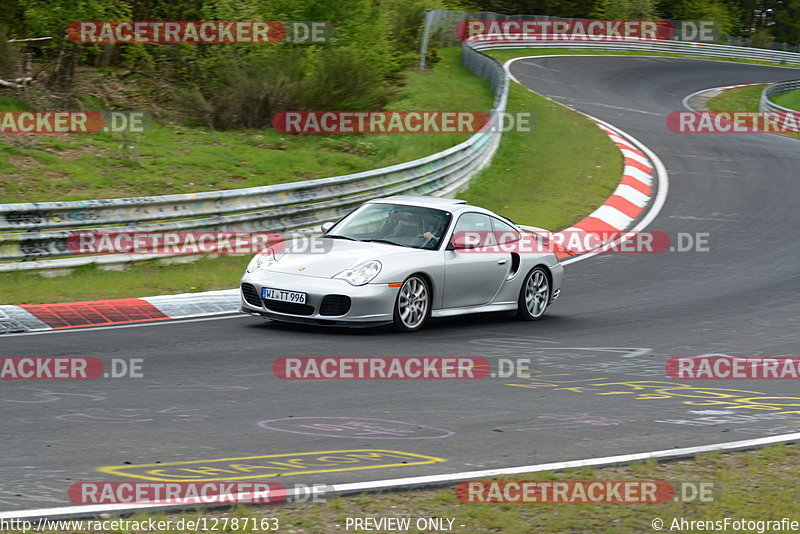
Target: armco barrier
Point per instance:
(40, 230)
(692, 49)
(305, 204)
(440, 30)
(766, 103)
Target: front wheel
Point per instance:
(412, 307)
(534, 295)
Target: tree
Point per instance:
(787, 22)
(726, 17)
(627, 9)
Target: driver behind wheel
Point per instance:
(434, 227)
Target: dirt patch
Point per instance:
(71, 153)
(23, 163)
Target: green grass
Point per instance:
(553, 176)
(542, 178)
(740, 99)
(737, 99)
(789, 100)
(752, 485)
(169, 158)
(140, 279)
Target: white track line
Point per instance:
(661, 171)
(438, 479)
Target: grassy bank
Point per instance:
(180, 159)
(542, 177)
(741, 99)
(172, 158)
(552, 176)
(737, 99)
(753, 485)
(789, 100)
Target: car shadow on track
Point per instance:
(443, 325)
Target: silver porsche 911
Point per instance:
(403, 260)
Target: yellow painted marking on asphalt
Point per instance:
(278, 465)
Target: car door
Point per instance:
(473, 277)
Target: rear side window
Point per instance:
(503, 232)
(475, 227)
(474, 222)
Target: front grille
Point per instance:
(288, 307)
(251, 295)
(335, 305)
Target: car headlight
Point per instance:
(262, 260)
(361, 274)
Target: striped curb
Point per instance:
(41, 317)
(625, 205)
(617, 214)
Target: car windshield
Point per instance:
(405, 226)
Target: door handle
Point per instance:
(502, 262)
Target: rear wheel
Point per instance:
(534, 295)
(412, 306)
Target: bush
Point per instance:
(241, 86)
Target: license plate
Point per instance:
(283, 296)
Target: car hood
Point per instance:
(337, 255)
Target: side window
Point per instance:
(504, 233)
(478, 228)
(474, 222)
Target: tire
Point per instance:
(534, 295)
(412, 308)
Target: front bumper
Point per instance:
(370, 304)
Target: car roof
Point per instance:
(453, 205)
(424, 201)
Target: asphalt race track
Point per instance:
(599, 386)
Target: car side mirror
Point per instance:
(462, 242)
(327, 226)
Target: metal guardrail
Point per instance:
(283, 207)
(440, 30)
(766, 103)
(42, 229)
(693, 49)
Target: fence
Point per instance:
(41, 230)
(692, 49)
(766, 103)
(440, 30)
